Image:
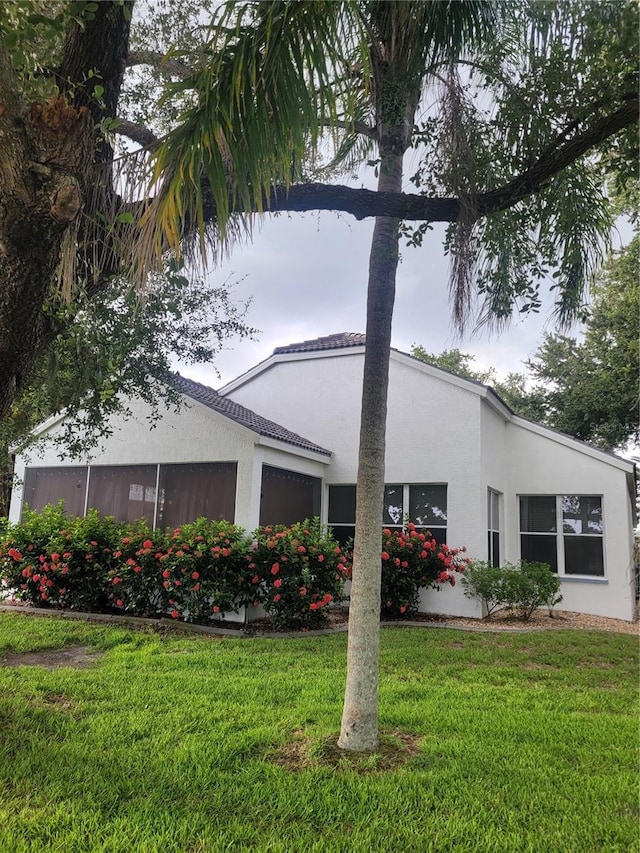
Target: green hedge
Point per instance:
(194, 573)
(200, 571)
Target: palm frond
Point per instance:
(274, 71)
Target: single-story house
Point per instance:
(459, 462)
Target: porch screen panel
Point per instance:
(127, 492)
(44, 486)
(287, 496)
(191, 491)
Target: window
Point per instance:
(426, 506)
(493, 527)
(564, 531)
(44, 486)
(287, 496)
(187, 492)
(428, 509)
(583, 535)
(342, 512)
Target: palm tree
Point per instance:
(281, 74)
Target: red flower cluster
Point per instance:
(412, 559)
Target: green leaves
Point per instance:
(275, 73)
(591, 387)
(522, 588)
(542, 85)
(117, 345)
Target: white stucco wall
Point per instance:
(194, 434)
(443, 430)
(318, 398)
(542, 462)
(433, 436)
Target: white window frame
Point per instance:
(491, 524)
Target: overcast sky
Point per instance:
(307, 277)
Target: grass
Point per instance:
(491, 742)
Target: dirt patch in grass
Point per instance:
(304, 753)
(58, 700)
(535, 666)
(77, 657)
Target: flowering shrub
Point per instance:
(205, 570)
(53, 560)
(412, 559)
(202, 570)
(133, 581)
(296, 572)
(193, 573)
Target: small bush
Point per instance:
(486, 582)
(529, 586)
(412, 559)
(522, 588)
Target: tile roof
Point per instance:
(245, 417)
(337, 341)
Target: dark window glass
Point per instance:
(428, 505)
(187, 492)
(582, 515)
(393, 507)
(342, 504)
(538, 514)
(127, 492)
(287, 496)
(343, 533)
(44, 486)
(583, 555)
(493, 548)
(540, 549)
(493, 525)
(494, 510)
(437, 533)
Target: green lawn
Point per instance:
(522, 742)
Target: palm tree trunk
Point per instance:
(359, 730)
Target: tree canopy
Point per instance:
(586, 387)
(589, 387)
(561, 83)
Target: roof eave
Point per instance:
(323, 456)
